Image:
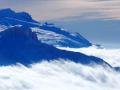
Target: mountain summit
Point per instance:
(46, 33)
(26, 41)
(21, 45)
(9, 13)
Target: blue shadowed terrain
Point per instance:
(26, 41)
(63, 38)
(11, 14)
(20, 45)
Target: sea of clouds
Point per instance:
(63, 74)
(112, 56)
(58, 75)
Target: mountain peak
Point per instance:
(20, 45)
(17, 37)
(7, 10)
(9, 13)
(47, 33)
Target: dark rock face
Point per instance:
(20, 45)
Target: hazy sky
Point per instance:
(56, 9)
(98, 20)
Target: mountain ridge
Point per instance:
(21, 45)
(71, 40)
(27, 42)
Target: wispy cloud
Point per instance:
(56, 9)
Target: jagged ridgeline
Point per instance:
(26, 41)
(46, 33)
(20, 44)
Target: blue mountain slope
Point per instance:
(21, 45)
(63, 38)
(11, 14)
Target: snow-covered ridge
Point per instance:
(20, 45)
(57, 37)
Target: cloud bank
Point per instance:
(112, 56)
(58, 75)
(64, 75)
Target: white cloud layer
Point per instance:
(64, 75)
(112, 56)
(58, 75)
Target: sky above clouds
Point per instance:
(97, 20)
